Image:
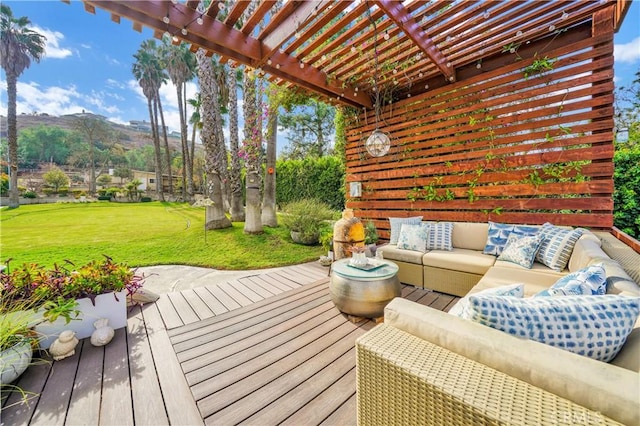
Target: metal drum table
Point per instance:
(364, 293)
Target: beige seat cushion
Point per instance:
(584, 252)
(537, 267)
(534, 282)
(629, 356)
(464, 260)
(470, 235)
(392, 252)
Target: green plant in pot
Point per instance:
(370, 236)
(306, 219)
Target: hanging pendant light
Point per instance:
(378, 142)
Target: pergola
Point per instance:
(499, 110)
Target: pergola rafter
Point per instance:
(403, 19)
(327, 46)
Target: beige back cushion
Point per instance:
(470, 235)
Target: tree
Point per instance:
(215, 152)
(235, 180)
(310, 130)
(56, 178)
(46, 143)
(123, 173)
(150, 75)
(180, 64)
(104, 180)
(132, 189)
(96, 131)
(19, 45)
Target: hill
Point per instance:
(130, 137)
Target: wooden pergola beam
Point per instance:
(403, 19)
(217, 37)
(292, 22)
(236, 12)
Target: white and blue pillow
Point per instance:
(589, 281)
(499, 233)
(396, 224)
(557, 246)
(440, 236)
(593, 326)
(413, 237)
(497, 238)
(521, 250)
(461, 309)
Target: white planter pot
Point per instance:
(112, 306)
(14, 361)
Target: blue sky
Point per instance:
(89, 57)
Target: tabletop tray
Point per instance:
(367, 267)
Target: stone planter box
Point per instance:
(112, 306)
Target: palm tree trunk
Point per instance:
(235, 179)
(214, 148)
(252, 146)
(167, 150)
(269, 217)
(12, 134)
(156, 145)
(187, 171)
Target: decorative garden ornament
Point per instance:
(103, 334)
(64, 346)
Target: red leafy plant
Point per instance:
(55, 290)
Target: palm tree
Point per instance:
(180, 64)
(215, 152)
(19, 45)
(235, 180)
(148, 71)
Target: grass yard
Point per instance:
(140, 234)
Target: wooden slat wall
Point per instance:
(523, 150)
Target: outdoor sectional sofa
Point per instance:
(423, 366)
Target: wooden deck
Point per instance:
(265, 349)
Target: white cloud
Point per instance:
(115, 83)
(628, 52)
(52, 45)
(56, 100)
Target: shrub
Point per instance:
(311, 178)
(63, 192)
(29, 194)
(104, 198)
(307, 217)
(145, 199)
(626, 197)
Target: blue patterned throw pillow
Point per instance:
(497, 238)
(589, 281)
(521, 250)
(525, 230)
(396, 223)
(413, 237)
(461, 309)
(557, 246)
(440, 236)
(593, 326)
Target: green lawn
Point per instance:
(140, 234)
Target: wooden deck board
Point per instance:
(146, 394)
(185, 311)
(180, 408)
(263, 349)
(116, 408)
(197, 304)
(204, 355)
(84, 408)
(54, 400)
(212, 302)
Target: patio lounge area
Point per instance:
(266, 349)
(494, 111)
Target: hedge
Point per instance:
(321, 179)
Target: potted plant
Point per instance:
(306, 219)
(65, 298)
(370, 237)
(16, 343)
